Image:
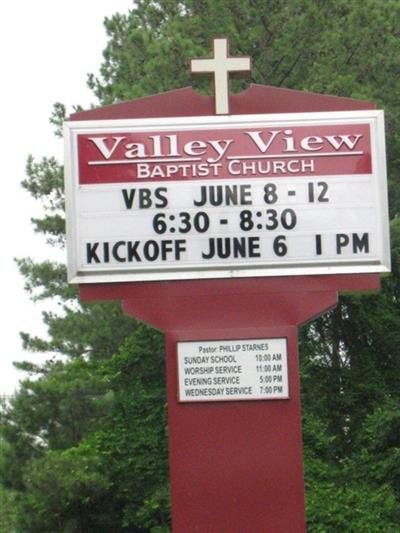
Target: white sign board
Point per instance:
(229, 370)
(226, 196)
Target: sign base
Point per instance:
(235, 466)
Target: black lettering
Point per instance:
(321, 194)
(360, 244)
(217, 195)
(166, 247)
(254, 247)
(91, 254)
(211, 251)
(115, 251)
(239, 247)
(342, 240)
(245, 195)
(318, 245)
(129, 197)
(145, 198)
(132, 251)
(151, 250)
(106, 252)
(180, 247)
(225, 247)
(159, 194)
(231, 195)
(203, 196)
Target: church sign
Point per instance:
(250, 198)
(226, 196)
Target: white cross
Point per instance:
(221, 65)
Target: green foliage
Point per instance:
(133, 441)
(45, 182)
(8, 515)
(62, 489)
(83, 442)
(344, 495)
(335, 503)
(46, 280)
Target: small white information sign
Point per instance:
(229, 370)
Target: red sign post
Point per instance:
(234, 409)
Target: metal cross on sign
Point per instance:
(221, 65)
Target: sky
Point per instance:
(47, 48)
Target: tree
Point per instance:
(101, 408)
(87, 443)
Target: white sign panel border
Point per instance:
(72, 129)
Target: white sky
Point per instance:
(47, 47)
